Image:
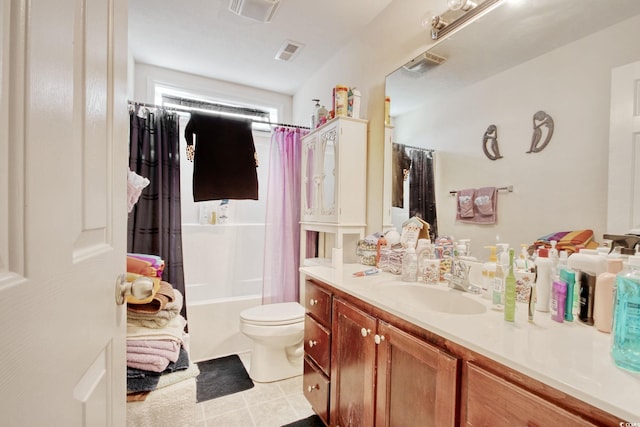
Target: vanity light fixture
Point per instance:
(460, 12)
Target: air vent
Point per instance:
(259, 10)
(288, 50)
(424, 62)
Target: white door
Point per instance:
(623, 213)
(63, 159)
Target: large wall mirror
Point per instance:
(523, 57)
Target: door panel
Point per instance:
(623, 213)
(63, 153)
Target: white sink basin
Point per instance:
(420, 297)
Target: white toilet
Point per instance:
(277, 331)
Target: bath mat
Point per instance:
(221, 376)
(312, 421)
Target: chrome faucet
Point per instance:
(458, 278)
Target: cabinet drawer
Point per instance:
(493, 401)
(318, 303)
(317, 343)
(316, 390)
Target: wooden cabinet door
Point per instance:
(416, 382)
(495, 402)
(353, 358)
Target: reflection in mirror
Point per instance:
(329, 173)
(520, 58)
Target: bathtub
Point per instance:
(223, 267)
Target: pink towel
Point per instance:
(147, 362)
(465, 203)
(167, 349)
(485, 206)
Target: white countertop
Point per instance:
(570, 356)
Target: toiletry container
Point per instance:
(428, 267)
(558, 297)
(603, 301)
(510, 290)
(625, 348)
(568, 277)
(380, 245)
(223, 212)
(587, 261)
(544, 267)
(410, 265)
(342, 100)
(502, 265)
(489, 273)
(277, 332)
(354, 103)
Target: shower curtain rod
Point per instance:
(189, 111)
(429, 150)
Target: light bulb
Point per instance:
(465, 5)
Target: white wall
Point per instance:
(390, 40)
(564, 187)
(147, 76)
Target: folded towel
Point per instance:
(147, 362)
(171, 353)
(465, 203)
(161, 318)
(139, 380)
(141, 266)
(173, 331)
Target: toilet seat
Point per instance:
(285, 313)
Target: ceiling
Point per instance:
(203, 37)
(514, 32)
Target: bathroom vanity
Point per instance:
(382, 352)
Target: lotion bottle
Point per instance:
(544, 268)
(510, 290)
(603, 301)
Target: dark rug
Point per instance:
(312, 421)
(221, 376)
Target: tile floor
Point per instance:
(265, 405)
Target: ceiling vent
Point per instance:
(424, 62)
(259, 10)
(288, 50)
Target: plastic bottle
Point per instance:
(569, 277)
(223, 212)
(323, 115)
(428, 267)
(497, 290)
(489, 273)
(558, 296)
(314, 115)
(410, 265)
(625, 348)
(510, 290)
(354, 103)
(603, 301)
(544, 267)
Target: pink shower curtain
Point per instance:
(282, 238)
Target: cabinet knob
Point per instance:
(378, 338)
(312, 343)
(313, 387)
(313, 302)
(365, 332)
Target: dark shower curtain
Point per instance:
(422, 197)
(154, 225)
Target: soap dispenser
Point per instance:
(625, 348)
(489, 273)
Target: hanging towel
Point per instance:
(225, 158)
(135, 185)
(486, 200)
(465, 203)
